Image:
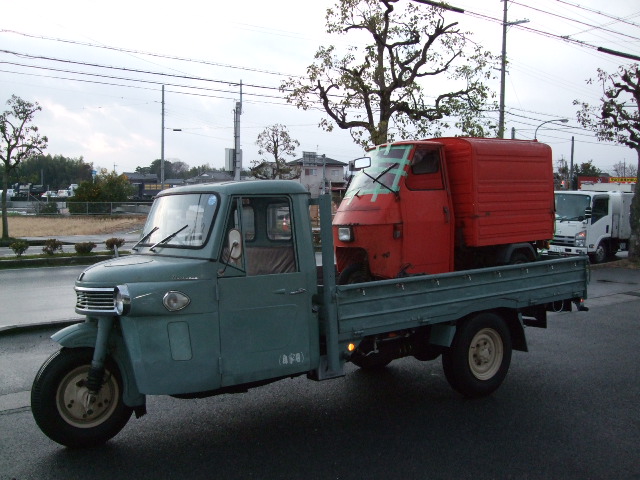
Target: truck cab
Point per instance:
(592, 221)
(400, 194)
(210, 258)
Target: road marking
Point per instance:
(15, 401)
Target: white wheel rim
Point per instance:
(76, 405)
(485, 354)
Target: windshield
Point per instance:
(571, 207)
(383, 176)
(180, 221)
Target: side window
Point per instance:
(425, 172)
(267, 236)
(600, 209)
(278, 222)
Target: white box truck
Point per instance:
(592, 221)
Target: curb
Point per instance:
(30, 327)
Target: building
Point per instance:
(320, 174)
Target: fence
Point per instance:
(52, 207)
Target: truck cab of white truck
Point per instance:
(592, 221)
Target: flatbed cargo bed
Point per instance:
(376, 307)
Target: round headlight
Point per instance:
(122, 300)
(174, 301)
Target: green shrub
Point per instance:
(19, 247)
(84, 247)
(48, 208)
(113, 242)
(51, 246)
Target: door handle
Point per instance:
(298, 291)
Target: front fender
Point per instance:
(84, 335)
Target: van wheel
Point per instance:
(63, 407)
(517, 258)
(601, 253)
(354, 273)
(478, 360)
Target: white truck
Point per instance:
(592, 221)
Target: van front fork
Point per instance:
(96, 372)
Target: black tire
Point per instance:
(517, 258)
(354, 273)
(601, 254)
(478, 360)
(58, 395)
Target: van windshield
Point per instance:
(383, 175)
(180, 221)
(571, 207)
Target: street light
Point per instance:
(563, 120)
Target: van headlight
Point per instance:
(122, 300)
(581, 239)
(174, 301)
(345, 234)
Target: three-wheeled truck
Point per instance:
(222, 295)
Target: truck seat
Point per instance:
(270, 260)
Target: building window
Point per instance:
(310, 172)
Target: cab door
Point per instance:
(427, 213)
(264, 302)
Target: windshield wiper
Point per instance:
(377, 179)
(135, 247)
(167, 238)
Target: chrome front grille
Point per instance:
(562, 240)
(95, 300)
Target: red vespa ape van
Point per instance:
(444, 204)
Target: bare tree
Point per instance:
(20, 141)
(275, 141)
(617, 119)
(417, 76)
(624, 169)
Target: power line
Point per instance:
(617, 19)
(150, 54)
(575, 21)
(133, 70)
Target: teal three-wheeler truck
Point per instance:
(222, 294)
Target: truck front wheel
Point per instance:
(601, 253)
(64, 408)
(354, 273)
(478, 360)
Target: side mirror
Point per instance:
(359, 163)
(235, 244)
(587, 212)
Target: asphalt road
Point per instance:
(568, 409)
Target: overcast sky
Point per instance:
(107, 118)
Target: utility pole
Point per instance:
(503, 69)
(237, 159)
(571, 166)
(162, 146)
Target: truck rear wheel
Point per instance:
(478, 360)
(64, 409)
